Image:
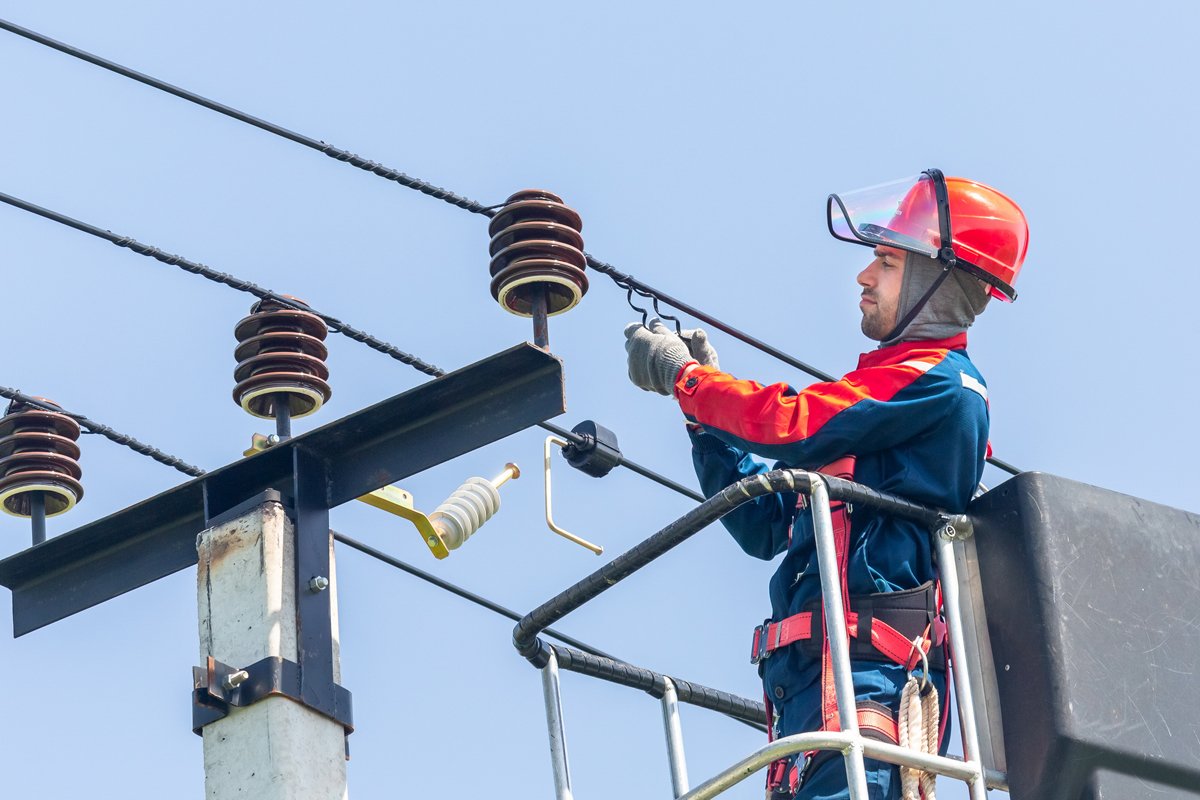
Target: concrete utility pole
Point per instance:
(267, 697)
(276, 748)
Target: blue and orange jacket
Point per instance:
(914, 414)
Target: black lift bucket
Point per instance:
(1093, 608)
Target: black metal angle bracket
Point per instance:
(391, 440)
(216, 687)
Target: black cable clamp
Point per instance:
(597, 454)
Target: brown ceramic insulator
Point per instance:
(507, 286)
(534, 205)
(267, 315)
(536, 249)
(281, 354)
(535, 231)
(38, 441)
(281, 342)
(38, 453)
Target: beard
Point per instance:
(877, 321)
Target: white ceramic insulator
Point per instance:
(465, 511)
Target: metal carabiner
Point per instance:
(917, 647)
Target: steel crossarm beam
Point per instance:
(391, 440)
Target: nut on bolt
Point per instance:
(956, 528)
(318, 584)
(235, 679)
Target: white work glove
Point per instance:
(698, 346)
(655, 356)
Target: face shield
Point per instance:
(904, 214)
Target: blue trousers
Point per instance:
(796, 696)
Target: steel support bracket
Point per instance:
(217, 687)
(395, 500)
(334, 464)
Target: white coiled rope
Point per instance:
(918, 728)
(471, 505)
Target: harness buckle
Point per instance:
(758, 647)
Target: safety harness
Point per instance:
(904, 627)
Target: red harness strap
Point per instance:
(884, 638)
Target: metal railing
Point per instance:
(947, 529)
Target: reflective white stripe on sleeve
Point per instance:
(974, 385)
(923, 366)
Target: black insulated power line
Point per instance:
(188, 469)
(195, 472)
(624, 280)
(478, 600)
(335, 324)
(226, 279)
(108, 433)
(241, 116)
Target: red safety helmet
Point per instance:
(987, 231)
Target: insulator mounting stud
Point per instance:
(537, 252)
(39, 461)
(281, 356)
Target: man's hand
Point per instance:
(655, 356)
(698, 346)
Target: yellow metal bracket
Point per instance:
(395, 500)
(259, 443)
(391, 499)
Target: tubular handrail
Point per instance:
(526, 632)
(842, 742)
(821, 490)
(654, 683)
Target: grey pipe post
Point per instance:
(959, 662)
(675, 753)
(37, 516)
(555, 729)
(282, 407)
(839, 641)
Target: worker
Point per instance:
(914, 418)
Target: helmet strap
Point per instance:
(942, 195)
(945, 254)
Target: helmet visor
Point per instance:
(901, 214)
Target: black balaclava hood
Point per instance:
(951, 309)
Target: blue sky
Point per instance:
(698, 141)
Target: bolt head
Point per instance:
(318, 584)
(273, 440)
(432, 541)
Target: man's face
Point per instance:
(880, 283)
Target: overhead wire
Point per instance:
(623, 280)
(195, 472)
(334, 323)
(91, 426)
(226, 279)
